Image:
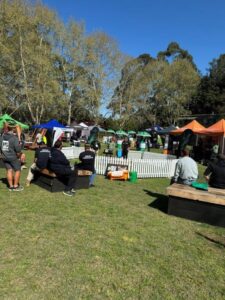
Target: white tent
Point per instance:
(83, 125)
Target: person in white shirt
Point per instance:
(186, 170)
(39, 138)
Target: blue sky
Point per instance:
(148, 26)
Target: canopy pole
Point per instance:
(223, 145)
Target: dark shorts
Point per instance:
(14, 165)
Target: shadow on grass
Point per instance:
(160, 202)
(4, 181)
(213, 240)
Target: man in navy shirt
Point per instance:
(215, 173)
(60, 165)
(87, 159)
(41, 159)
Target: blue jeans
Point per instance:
(186, 181)
(92, 178)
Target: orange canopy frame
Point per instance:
(194, 125)
(216, 129)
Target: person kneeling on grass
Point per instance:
(41, 159)
(59, 164)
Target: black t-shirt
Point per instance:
(87, 159)
(42, 156)
(58, 162)
(125, 145)
(217, 174)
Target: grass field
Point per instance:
(114, 241)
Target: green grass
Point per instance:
(114, 241)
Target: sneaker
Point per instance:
(68, 193)
(18, 188)
(73, 191)
(91, 185)
(11, 189)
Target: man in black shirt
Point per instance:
(125, 147)
(41, 159)
(215, 173)
(87, 159)
(60, 165)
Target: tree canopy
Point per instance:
(49, 69)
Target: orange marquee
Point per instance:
(216, 129)
(194, 125)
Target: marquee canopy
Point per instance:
(216, 129)
(194, 125)
(7, 118)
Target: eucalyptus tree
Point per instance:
(28, 64)
(124, 100)
(154, 90)
(210, 96)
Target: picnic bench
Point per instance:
(49, 180)
(199, 205)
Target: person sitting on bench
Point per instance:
(41, 159)
(59, 164)
(186, 170)
(215, 173)
(87, 158)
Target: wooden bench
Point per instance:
(49, 180)
(82, 179)
(202, 206)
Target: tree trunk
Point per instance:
(69, 112)
(25, 77)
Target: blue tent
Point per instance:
(50, 125)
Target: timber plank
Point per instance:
(187, 192)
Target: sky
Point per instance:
(148, 26)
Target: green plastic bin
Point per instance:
(133, 176)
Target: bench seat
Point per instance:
(49, 180)
(203, 206)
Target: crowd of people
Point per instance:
(53, 158)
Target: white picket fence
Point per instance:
(151, 165)
(72, 152)
(145, 168)
(152, 155)
(148, 155)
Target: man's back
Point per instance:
(186, 168)
(58, 161)
(9, 146)
(42, 156)
(87, 159)
(217, 174)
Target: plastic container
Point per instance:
(142, 146)
(133, 176)
(119, 153)
(119, 144)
